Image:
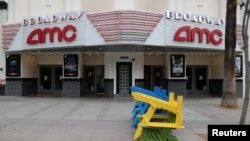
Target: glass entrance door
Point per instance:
(153, 76)
(196, 79)
(50, 79)
(123, 77)
(58, 79)
(94, 79)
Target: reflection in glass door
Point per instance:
(196, 79)
(58, 79)
(50, 79)
(94, 79)
(153, 76)
(147, 77)
(158, 77)
(89, 76)
(99, 79)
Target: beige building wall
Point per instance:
(199, 59)
(97, 5)
(217, 64)
(151, 5)
(29, 66)
(154, 60)
(93, 59)
(19, 9)
(49, 60)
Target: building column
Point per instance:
(68, 5)
(171, 4)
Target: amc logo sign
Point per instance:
(214, 36)
(38, 36)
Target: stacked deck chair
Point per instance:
(140, 108)
(159, 118)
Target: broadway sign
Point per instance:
(194, 31)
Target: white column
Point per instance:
(11, 11)
(181, 5)
(25, 8)
(77, 5)
(171, 5)
(17, 11)
(3, 20)
(222, 8)
(68, 5)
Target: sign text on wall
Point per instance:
(52, 18)
(39, 35)
(178, 16)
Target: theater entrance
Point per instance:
(50, 79)
(196, 80)
(123, 77)
(153, 76)
(93, 80)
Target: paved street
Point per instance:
(98, 119)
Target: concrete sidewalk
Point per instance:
(98, 119)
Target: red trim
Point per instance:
(11, 25)
(5, 47)
(38, 36)
(125, 25)
(123, 39)
(6, 42)
(10, 29)
(9, 33)
(124, 28)
(111, 33)
(144, 23)
(7, 38)
(239, 37)
(108, 18)
(126, 12)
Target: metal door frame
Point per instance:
(117, 75)
(95, 79)
(53, 79)
(194, 90)
(152, 78)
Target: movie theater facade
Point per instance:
(76, 53)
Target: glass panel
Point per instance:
(99, 79)
(200, 78)
(58, 78)
(189, 79)
(45, 78)
(158, 76)
(123, 78)
(89, 74)
(147, 77)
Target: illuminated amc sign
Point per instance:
(44, 31)
(38, 36)
(188, 29)
(214, 36)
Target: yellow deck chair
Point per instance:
(172, 106)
